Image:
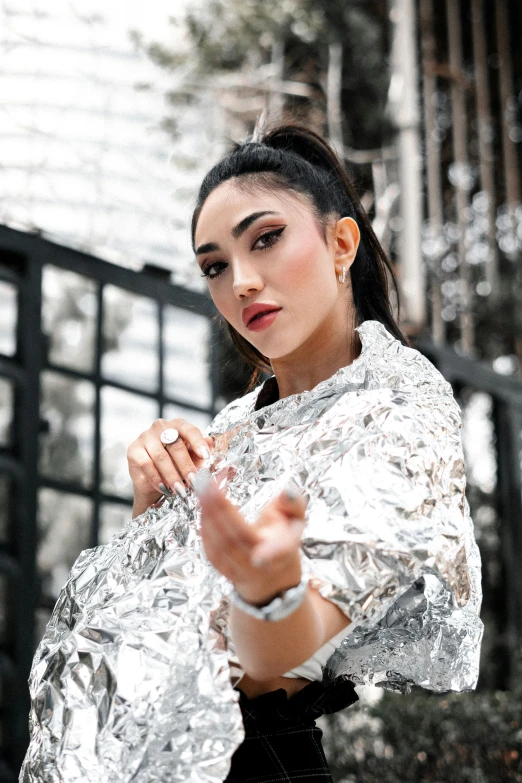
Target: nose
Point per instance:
(245, 279)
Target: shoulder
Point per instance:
(233, 413)
(391, 364)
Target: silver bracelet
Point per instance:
(280, 607)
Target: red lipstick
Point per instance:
(257, 309)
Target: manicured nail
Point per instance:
(180, 489)
(203, 482)
(291, 492)
(191, 478)
(204, 452)
(166, 491)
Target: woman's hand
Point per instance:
(152, 464)
(261, 559)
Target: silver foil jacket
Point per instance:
(133, 679)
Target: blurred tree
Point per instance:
(444, 738)
(319, 61)
(322, 62)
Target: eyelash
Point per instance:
(274, 235)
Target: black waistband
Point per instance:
(275, 708)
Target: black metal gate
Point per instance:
(89, 353)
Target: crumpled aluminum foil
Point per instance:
(133, 679)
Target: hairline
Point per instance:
(251, 180)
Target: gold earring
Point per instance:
(342, 277)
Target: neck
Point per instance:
(318, 358)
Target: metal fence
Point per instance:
(90, 355)
(495, 498)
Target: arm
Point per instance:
(262, 560)
(403, 560)
(267, 650)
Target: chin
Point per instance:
(274, 349)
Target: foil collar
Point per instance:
(133, 679)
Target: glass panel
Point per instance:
(69, 308)
(6, 412)
(124, 417)
(187, 352)
(67, 448)
(198, 419)
(5, 500)
(113, 518)
(64, 525)
(131, 339)
(8, 318)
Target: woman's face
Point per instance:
(266, 247)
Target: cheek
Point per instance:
(223, 298)
(306, 267)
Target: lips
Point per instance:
(258, 315)
(257, 309)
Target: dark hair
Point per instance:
(292, 157)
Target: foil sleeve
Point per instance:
(390, 541)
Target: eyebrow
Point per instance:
(237, 231)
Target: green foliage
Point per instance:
(450, 738)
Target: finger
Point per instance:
(164, 466)
(282, 541)
(232, 561)
(292, 502)
(140, 464)
(226, 517)
(172, 461)
(189, 434)
(283, 506)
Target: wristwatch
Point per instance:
(279, 607)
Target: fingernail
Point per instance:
(191, 478)
(204, 452)
(291, 492)
(166, 491)
(203, 482)
(180, 489)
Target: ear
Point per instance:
(347, 238)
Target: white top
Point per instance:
(312, 669)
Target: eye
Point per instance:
(206, 271)
(269, 238)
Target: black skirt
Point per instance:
(282, 742)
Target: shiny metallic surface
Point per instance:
(168, 436)
(133, 679)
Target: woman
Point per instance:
(204, 640)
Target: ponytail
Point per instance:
(294, 158)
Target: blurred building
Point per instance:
(83, 154)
